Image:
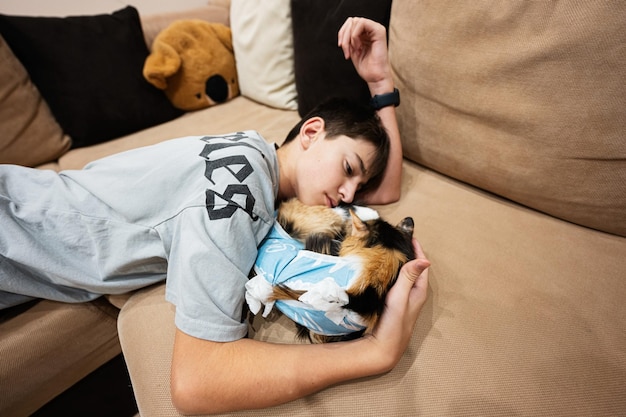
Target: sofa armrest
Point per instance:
(49, 346)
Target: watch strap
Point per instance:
(383, 100)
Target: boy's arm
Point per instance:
(365, 43)
(211, 377)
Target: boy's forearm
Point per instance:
(390, 187)
(209, 377)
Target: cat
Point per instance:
(350, 231)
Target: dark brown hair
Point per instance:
(357, 121)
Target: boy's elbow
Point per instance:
(192, 396)
(195, 391)
(187, 394)
(385, 197)
(391, 197)
(183, 396)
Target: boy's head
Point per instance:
(359, 122)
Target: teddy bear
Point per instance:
(194, 63)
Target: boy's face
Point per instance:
(332, 170)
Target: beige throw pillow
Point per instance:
(263, 44)
(29, 134)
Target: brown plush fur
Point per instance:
(302, 221)
(382, 248)
(194, 63)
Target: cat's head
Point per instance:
(383, 246)
(379, 233)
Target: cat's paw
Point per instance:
(362, 212)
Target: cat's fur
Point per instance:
(382, 248)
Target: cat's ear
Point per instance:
(407, 225)
(359, 228)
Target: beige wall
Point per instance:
(78, 7)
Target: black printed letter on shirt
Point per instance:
(235, 196)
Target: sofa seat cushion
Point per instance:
(519, 321)
(89, 71)
(524, 99)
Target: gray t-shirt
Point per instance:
(192, 209)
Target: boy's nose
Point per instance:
(347, 191)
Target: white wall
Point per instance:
(78, 7)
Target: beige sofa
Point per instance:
(515, 173)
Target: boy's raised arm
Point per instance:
(365, 43)
(211, 377)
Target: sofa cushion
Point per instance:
(321, 70)
(89, 71)
(29, 133)
(263, 45)
(524, 99)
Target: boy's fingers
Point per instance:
(349, 36)
(409, 278)
(415, 268)
(345, 36)
(417, 248)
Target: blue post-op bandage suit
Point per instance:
(324, 278)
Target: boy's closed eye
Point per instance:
(348, 168)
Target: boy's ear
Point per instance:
(310, 131)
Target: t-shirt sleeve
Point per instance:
(207, 272)
(213, 240)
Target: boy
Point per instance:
(194, 209)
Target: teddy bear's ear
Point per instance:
(163, 62)
(224, 35)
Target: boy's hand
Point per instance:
(365, 42)
(402, 307)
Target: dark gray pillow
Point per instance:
(321, 72)
(89, 71)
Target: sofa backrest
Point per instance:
(217, 11)
(524, 99)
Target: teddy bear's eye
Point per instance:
(199, 96)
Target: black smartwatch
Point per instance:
(383, 100)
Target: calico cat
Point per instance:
(350, 231)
